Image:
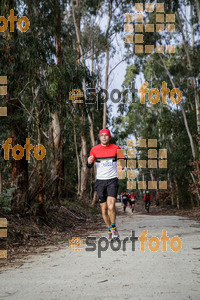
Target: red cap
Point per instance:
(105, 131)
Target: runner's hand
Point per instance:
(119, 167)
(90, 159)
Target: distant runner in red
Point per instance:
(132, 197)
(147, 199)
(106, 185)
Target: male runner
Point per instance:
(147, 199)
(121, 198)
(118, 198)
(106, 185)
(125, 200)
(132, 198)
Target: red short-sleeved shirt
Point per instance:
(132, 197)
(106, 160)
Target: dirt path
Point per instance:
(67, 274)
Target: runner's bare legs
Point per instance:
(108, 211)
(104, 211)
(111, 208)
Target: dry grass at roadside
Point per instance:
(31, 235)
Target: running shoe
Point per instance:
(109, 236)
(115, 234)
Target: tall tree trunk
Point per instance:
(198, 9)
(55, 148)
(40, 210)
(95, 196)
(84, 170)
(58, 144)
(57, 33)
(171, 190)
(177, 197)
(107, 61)
(78, 162)
(79, 30)
(191, 24)
(35, 94)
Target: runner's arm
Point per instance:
(120, 155)
(90, 165)
(90, 160)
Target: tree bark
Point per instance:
(172, 191)
(40, 210)
(84, 170)
(107, 62)
(78, 162)
(177, 197)
(56, 159)
(57, 33)
(58, 144)
(79, 30)
(198, 9)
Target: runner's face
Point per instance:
(104, 139)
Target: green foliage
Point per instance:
(30, 62)
(165, 122)
(6, 199)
